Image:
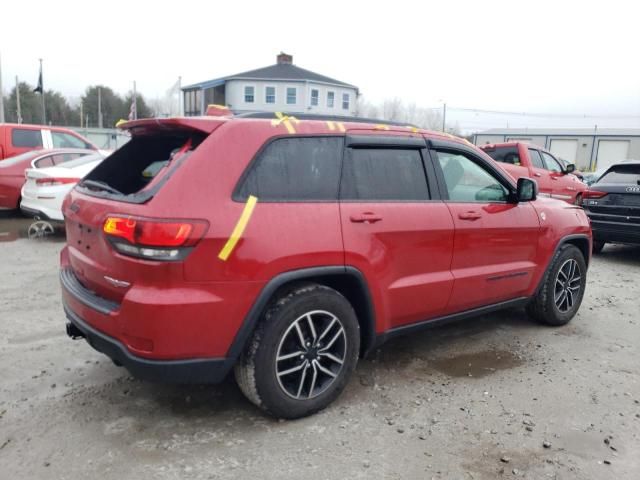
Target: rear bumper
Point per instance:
(167, 371)
(40, 210)
(176, 337)
(615, 232)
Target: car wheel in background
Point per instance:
(561, 293)
(578, 200)
(598, 246)
(302, 354)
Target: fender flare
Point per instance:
(367, 320)
(564, 241)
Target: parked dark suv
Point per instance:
(288, 247)
(613, 205)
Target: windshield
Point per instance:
(7, 162)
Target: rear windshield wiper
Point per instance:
(101, 186)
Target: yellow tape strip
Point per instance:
(239, 228)
(341, 126)
(330, 125)
(412, 128)
(382, 127)
(286, 121)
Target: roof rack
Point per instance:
(315, 116)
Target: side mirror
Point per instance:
(570, 168)
(527, 190)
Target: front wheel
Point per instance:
(302, 354)
(560, 296)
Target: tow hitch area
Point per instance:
(74, 332)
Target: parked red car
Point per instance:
(12, 171)
(554, 177)
(19, 138)
(287, 247)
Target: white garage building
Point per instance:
(589, 149)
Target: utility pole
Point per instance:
(444, 117)
(44, 112)
(1, 95)
(135, 102)
(18, 112)
(180, 112)
(81, 113)
(99, 108)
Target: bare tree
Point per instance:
(396, 110)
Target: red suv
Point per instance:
(288, 247)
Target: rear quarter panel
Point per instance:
(278, 237)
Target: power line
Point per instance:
(543, 115)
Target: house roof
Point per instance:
(279, 71)
(573, 132)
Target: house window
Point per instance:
(249, 94)
(331, 96)
(315, 95)
(345, 101)
(292, 94)
(270, 95)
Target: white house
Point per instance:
(282, 87)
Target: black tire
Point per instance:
(550, 305)
(283, 326)
(598, 246)
(578, 200)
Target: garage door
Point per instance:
(565, 149)
(611, 151)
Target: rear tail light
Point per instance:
(593, 194)
(48, 182)
(153, 239)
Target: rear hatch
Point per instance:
(117, 196)
(615, 197)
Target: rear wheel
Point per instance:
(598, 246)
(561, 294)
(302, 354)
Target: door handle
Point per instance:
(471, 215)
(536, 174)
(366, 217)
(554, 178)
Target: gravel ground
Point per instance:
(493, 397)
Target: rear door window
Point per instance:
(295, 169)
(22, 137)
(536, 159)
(45, 162)
(381, 174)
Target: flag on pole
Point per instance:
(39, 88)
(133, 110)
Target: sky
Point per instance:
(575, 59)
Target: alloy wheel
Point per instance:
(311, 354)
(567, 286)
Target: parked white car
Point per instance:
(45, 188)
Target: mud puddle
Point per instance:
(479, 364)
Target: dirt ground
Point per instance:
(493, 397)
